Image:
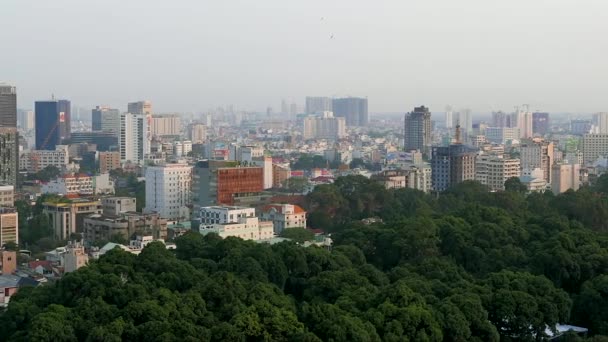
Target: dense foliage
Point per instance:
(467, 265)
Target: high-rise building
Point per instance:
(580, 127)
(449, 117)
(9, 156)
(524, 122)
(493, 170)
(540, 123)
(565, 177)
(417, 134)
(600, 123)
(135, 137)
(594, 146)
(501, 119)
(324, 126)
(501, 135)
(163, 125)
(464, 118)
(198, 133)
(109, 161)
(52, 123)
(452, 164)
(105, 119)
(25, 119)
(168, 191)
(9, 226)
(140, 107)
(353, 109)
(537, 154)
(318, 104)
(8, 105)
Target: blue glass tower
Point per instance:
(47, 125)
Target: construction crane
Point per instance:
(48, 137)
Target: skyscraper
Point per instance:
(540, 123)
(417, 134)
(318, 104)
(135, 137)
(353, 109)
(501, 119)
(9, 156)
(140, 107)
(452, 164)
(8, 105)
(325, 126)
(600, 123)
(52, 123)
(105, 119)
(449, 123)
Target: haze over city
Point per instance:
(195, 55)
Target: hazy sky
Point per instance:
(190, 55)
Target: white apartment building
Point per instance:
(600, 123)
(135, 137)
(7, 195)
(565, 177)
(238, 222)
(198, 133)
(284, 216)
(594, 146)
(493, 171)
(36, 160)
(168, 191)
(182, 148)
(419, 177)
(80, 184)
(501, 135)
(535, 154)
(325, 126)
(163, 125)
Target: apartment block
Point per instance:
(493, 171)
(233, 221)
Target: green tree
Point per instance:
(298, 234)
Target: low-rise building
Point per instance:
(67, 216)
(36, 160)
(80, 184)
(114, 206)
(109, 161)
(234, 221)
(125, 225)
(75, 257)
(565, 177)
(8, 261)
(7, 195)
(284, 216)
(9, 226)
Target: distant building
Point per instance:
(67, 217)
(168, 190)
(236, 222)
(7, 195)
(98, 227)
(53, 124)
(284, 216)
(140, 107)
(36, 160)
(501, 119)
(493, 171)
(280, 173)
(75, 257)
(537, 154)
(9, 155)
(8, 261)
(198, 133)
(594, 146)
(352, 109)
(80, 184)
(580, 127)
(9, 226)
(325, 126)
(540, 123)
(109, 161)
(8, 105)
(318, 104)
(451, 165)
(565, 177)
(114, 206)
(417, 134)
(412, 176)
(166, 125)
(502, 135)
(105, 119)
(135, 137)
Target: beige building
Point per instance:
(36, 160)
(114, 206)
(594, 146)
(235, 221)
(166, 125)
(67, 217)
(126, 225)
(7, 195)
(284, 216)
(537, 153)
(9, 226)
(109, 161)
(565, 177)
(198, 133)
(325, 126)
(412, 176)
(140, 107)
(493, 171)
(8, 262)
(75, 257)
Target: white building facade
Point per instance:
(135, 137)
(238, 222)
(493, 171)
(168, 191)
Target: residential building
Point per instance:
(284, 216)
(410, 175)
(75, 257)
(236, 222)
(502, 135)
(52, 123)
(464, 118)
(98, 227)
(168, 191)
(352, 109)
(451, 165)
(9, 154)
(501, 119)
(417, 134)
(7, 195)
(163, 125)
(36, 160)
(198, 133)
(80, 184)
(280, 173)
(565, 177)
(537, 153)
(493, 171)
(524, 123)
(594, 146)
(8, 262)
(135, 137)
(449, 121)
(540, 123)
(140, 107)
(67, 216)
(221, 182)
(25, 119)
(114, 206)
(108, 161)
(318, 104)
(600, 123)
(325, 126)
(105, 119)
(8, 105)
(9, 226)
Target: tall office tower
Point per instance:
(52, 123)
(524, 123)
(417, 133)
(169, 191)
(318, 104)
(25, 119)
(293, 110)
(600, 123)
(465, 119)
(9, 156)
(325, 126)
(537, 154)
(135, 137)
(451, 165)
(501, 119)
(8, 105)
(580, 127)
(197, 133)
(449, 117)
(540, 123)
(105, 119)
(594, 146)
(353, 109)
(163, 125)
(284, 107)
(140, 107)
(493, 170)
